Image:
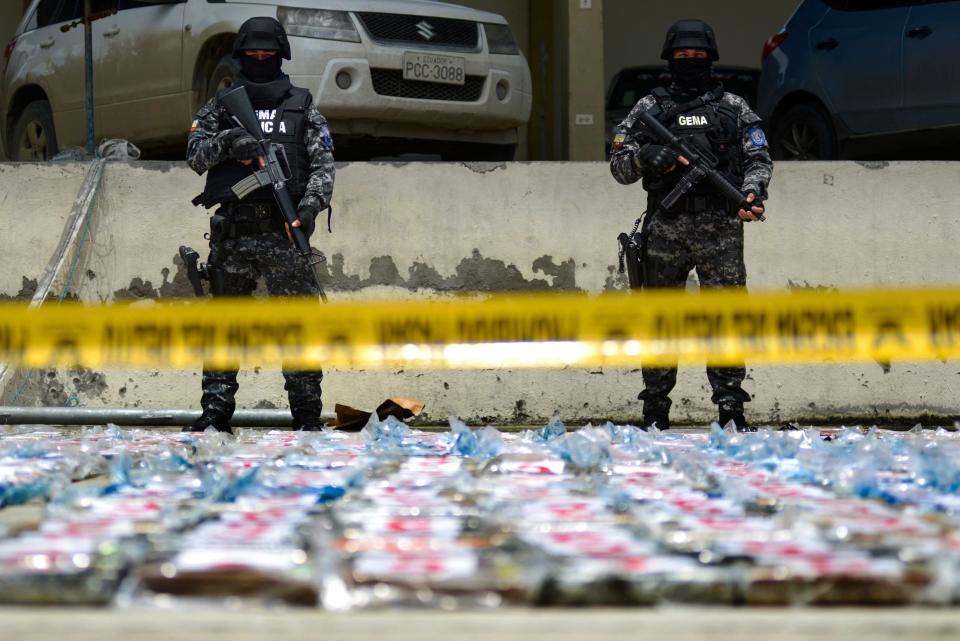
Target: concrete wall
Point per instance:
(586, 89)
(526, 227)
(635, 28)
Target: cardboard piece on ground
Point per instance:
(350, 419)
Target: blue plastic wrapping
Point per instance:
(480, 444)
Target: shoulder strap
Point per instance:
(715, 94)
(727, 109)
(298, 100)
(662, 97)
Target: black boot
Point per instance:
(656, 411)
(734, 414)
(207, 420)
(307, 420)
(660, 421)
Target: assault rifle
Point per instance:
(701, 165)
(272, 173)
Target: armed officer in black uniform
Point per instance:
(702, 231)
(249, 239)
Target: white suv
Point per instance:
(392, 76)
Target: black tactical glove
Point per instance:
(241, 145)
(308, 219)
(757, 202)
(656, 158)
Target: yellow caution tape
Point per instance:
(542, 330)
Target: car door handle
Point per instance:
(114, 31)
(920, 32)
(828, 45)
(46, 44)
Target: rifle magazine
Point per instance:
(251, 184)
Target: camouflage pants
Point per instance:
(242, 261)
(712, 243)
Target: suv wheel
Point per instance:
(34, 138)
(804, 132)
(223, 77)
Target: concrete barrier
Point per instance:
(57, 276)
(35, 201)
(426, 230)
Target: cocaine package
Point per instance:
(478, 518)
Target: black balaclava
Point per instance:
(265, 82)
(692, 75)
(261, 71)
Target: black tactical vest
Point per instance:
(286, 126)
(710, 124)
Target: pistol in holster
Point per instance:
(631, 258)
(198, 272)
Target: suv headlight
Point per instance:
(500, 39)
(318, 23)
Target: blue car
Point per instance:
(864, 79)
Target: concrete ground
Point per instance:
(679, 624)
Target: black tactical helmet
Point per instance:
(262, 34)
(690, 34)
